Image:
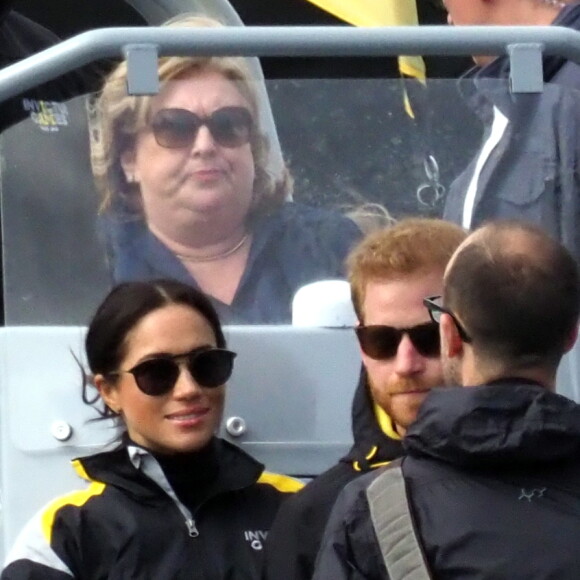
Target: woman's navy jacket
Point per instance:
(291, 247)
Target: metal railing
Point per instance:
(144, 45)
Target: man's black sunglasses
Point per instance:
(177, 128)
(209, 367)
(381, 342)
(435, 309)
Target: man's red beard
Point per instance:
(399, 386)
(401, 415)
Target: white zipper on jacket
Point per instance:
(149, 466)
(192, 528)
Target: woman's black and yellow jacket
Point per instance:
(130, 524)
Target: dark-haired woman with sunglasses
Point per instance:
(171, 500)
(192, 189)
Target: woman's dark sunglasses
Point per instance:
(178, 128)
(381, 342)
(209, 367)
(436, 309)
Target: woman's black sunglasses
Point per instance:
(209, 367)
(381, 342)
(177, 128)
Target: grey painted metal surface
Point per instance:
(283, 41)
(142, 77)
(526, 71)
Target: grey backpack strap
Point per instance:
(393, 524)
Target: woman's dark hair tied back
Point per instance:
(122, 309)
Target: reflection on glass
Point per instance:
(350, 145)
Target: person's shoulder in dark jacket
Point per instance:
(558, 69)
(297, 531)
(349, 549)
(511, 444)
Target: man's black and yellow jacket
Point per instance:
(296, 534)
(130, 523)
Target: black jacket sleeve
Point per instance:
(28, 570)
(295, 536)
(292, 543)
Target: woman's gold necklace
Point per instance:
(215, 257)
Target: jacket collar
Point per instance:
(373, 446)
(508, 422)
(136, 471)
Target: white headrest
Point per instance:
(324, 303)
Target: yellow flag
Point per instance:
(380, 13)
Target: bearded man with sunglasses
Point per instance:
(390, 272)
(490, 483)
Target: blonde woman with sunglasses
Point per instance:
(172, 500)
(191, 190)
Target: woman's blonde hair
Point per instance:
(118, 117)
(369, 216)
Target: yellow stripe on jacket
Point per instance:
(76, 498)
